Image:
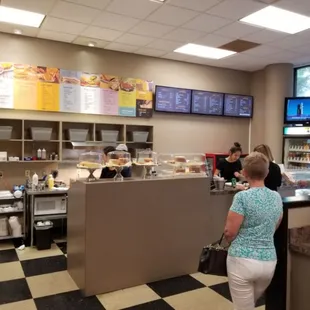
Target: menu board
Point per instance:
(169, 99)
(6, 85)
(32, 87)
(207, 103)
(238, 105)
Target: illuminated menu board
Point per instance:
(207, 103)
(169, 99)
(238, 105)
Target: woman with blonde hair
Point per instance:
(274, 177)
(252, 220)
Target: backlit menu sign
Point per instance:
(207, 103)
(238, 105)
(169, 99)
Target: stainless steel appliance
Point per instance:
(50, 205)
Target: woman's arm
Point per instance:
(233, 224)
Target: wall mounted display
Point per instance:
(238, 105)
(31, 87)
(207, 103)
(173, 100)
(297, 110)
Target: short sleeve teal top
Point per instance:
(262, 209)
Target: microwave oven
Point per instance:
(50, 205)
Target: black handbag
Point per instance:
(213, 259)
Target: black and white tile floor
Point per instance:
(32, 279)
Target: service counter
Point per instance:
(123, 234)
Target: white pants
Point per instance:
(248, 280)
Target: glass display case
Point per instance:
(118, 160)
(182, 164)
(90, 161)
(148, 159)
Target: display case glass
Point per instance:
(146, 158)
(182, 164)
(118, 159)
(90, 160)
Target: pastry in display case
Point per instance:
(118, 160)
(148, 159)
(90, 161)
(182, 164)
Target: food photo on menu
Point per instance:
(25, 72)
(48, 75)
(128, 84)
(110, 82)
(90, 80)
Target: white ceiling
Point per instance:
(153, 29)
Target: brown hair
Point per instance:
(264, 149)
(256, 166)
(108, 149)
(236, 148)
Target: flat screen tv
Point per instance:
(207, 103)
(238, 105)
(173, 100)
(297, 110)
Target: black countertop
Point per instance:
(296, 201)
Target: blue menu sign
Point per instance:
(169, 99)
(238, 105)
(207, 103)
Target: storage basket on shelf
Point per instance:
(41, 133)
(109, 135)
(78, 135)
(5, 132)
(4, 231)
(140, 136)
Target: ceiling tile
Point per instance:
(213, 40)
(291, 41)
(134, 8)
(303, 50)
(42, 6)
(284, 56)
(101, 33)
(300, 61)
(184, 35)
(262, 51)
(207, 23)
(26, 31)
(236, 9)
(96, 4)
(150, 52)
(151, 29)
(120, 47)
(196, 5)
(294, 5)
(236, 30)
(61, 25)
(56, 36)
(165, 45)
(85, 40)
(171, 15)
(133, 39)
(74, 12)
(264, 36)
(115, 21)
(175, 56)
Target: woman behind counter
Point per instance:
(230, 167)
(109, 173)
(274, 177)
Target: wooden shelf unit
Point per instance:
(22, 145)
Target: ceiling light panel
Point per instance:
(278, 19)
(204, 51)
(20, 17)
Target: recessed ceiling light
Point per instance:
(278, 19)
(91, 44)
(20, 17)
(17, 31)
(203, 51)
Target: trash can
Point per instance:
(43, 236)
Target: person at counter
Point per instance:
(274, 177)
(109, 173)
(230, 167)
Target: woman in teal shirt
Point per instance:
(251, 223)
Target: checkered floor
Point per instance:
(32, 279)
